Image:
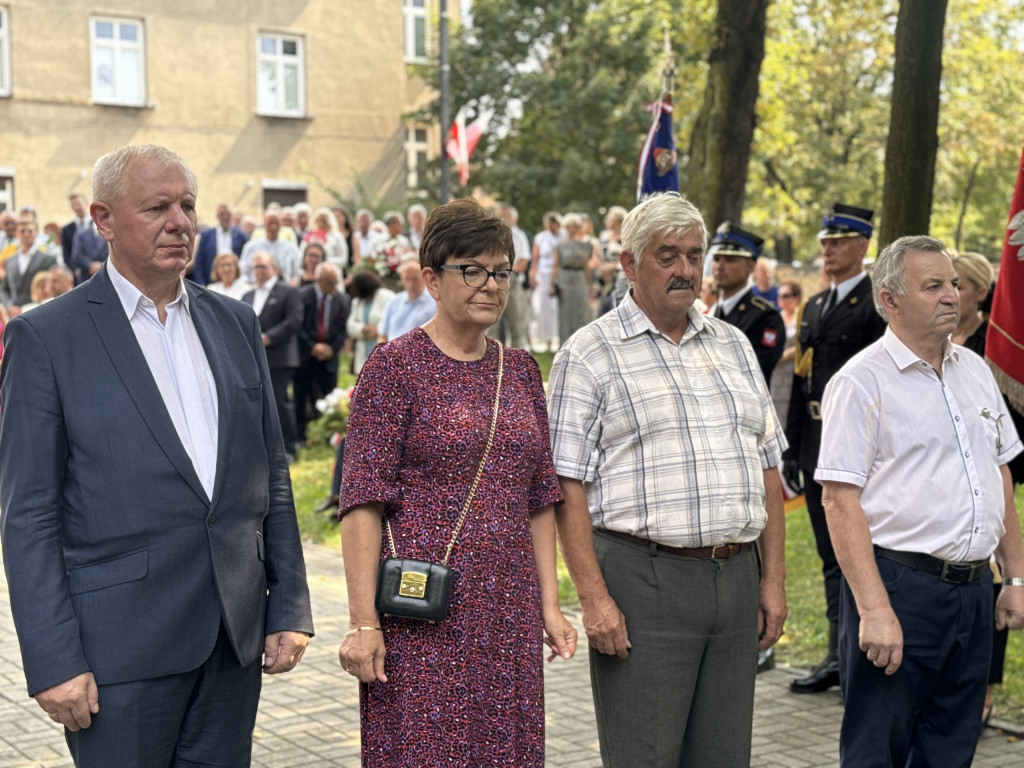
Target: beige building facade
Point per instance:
(266, 100)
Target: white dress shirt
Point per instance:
(924, 449)
(177, 360)
(224, 241)
(261, 294)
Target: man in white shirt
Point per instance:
(149, 535)
(28, 260)
(272, 241)
(918, 496)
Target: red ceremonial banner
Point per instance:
(1004, 343)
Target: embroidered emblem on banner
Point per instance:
(664, 160)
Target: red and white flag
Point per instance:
(462, 140)
(1004, 343)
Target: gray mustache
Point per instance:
(680, 283)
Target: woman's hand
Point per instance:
(559, 635)
(362, 655)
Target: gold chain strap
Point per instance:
(479, 471)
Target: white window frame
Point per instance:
(118, 46)
(280, 62)
(5, 51)
(413, 147)
(412, 10)
(7, 178)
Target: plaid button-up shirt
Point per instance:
(669, 440)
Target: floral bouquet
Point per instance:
(333, 417)
(388, 257)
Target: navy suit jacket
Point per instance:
(335, 327)
(117, 561)
(206, 252)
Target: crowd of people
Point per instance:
(149, 531)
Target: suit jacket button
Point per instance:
(211, 520)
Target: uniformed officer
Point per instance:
(832, 326)
(733, 255)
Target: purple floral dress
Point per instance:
(467, 691)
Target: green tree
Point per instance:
(913, 128)
(716, 175)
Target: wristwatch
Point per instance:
(1013, 581)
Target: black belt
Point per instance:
(719, 552)
(953, 573)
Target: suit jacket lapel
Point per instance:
(216, 355)
(117, 337)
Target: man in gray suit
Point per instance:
(148, 527)
(28, 260)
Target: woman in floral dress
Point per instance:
(468, 690)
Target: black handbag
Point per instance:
(419, 589)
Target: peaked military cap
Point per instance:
(730, 240)
(846, 221)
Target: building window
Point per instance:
(6, 188)
(415, 16)
(5, 53)
(415, 158)
(283, 192)
(281, 84)
(118, 61)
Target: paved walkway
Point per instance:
(309, 718)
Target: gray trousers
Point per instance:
(685, 695)
(511, 326)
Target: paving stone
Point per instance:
(309, 718)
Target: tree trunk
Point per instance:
(913, 125)
(715, 177)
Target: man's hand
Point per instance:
(1010, 608)
(791, 474)
(605, 626)
(881, 638)
(282, 651)
(266, 339)
(322, 351)
(71, 703)
(771, 614)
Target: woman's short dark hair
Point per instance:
(462, 229)
(363, 285)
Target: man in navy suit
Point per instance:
(148, 528)
(321, 337)
(279, 309)
(213, 242)
(88, 252)
(79, 205)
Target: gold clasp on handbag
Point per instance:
(413, 585)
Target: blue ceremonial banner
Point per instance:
(658, 168)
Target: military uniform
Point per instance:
(763, 325)
(825, 341)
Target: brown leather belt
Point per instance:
(719, 552)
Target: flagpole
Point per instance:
(668, 72)
(446, 183)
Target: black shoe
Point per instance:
(822, 677)
(330, 504)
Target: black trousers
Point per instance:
(281, 380)
(929, 712)
(829, 565)
(312, 382)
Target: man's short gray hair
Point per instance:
(109, 175)
(888, 274)
(270, 257)
(390, 216)
(668, 214)
(326, 266)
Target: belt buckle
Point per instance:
(963, 573)
(718, 547)
(814, 409)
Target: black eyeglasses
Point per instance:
(476, 277)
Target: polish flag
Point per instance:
(462, 140)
